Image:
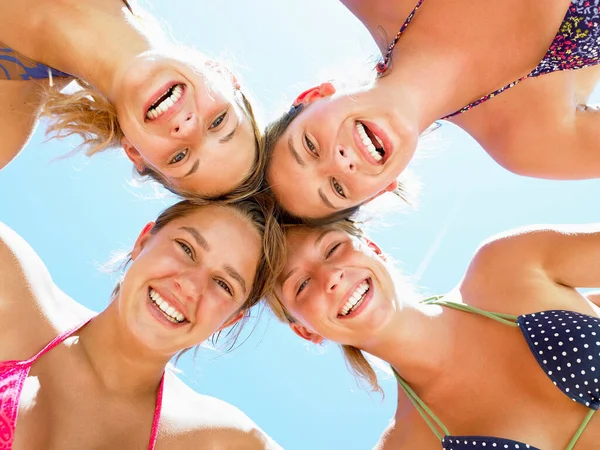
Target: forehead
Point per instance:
(216, 222)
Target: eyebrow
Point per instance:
(317, 242)
(193, 169)
(230, 135)
(198, 237)
(326, 200)
(295, 153)
(235, 274)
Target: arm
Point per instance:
(568, 255)
(594, 297)
(18, 116)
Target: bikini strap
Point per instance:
(58, 340)
(485, 98)
(383, 66)
(157, 410)
(427, 414)
(579, 431)
(507, 319)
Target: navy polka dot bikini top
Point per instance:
(565, 344)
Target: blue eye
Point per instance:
(179, 156)
(225, 287)
(219, 120)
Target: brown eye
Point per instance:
(338, 189)
(332, 250)
(186, 248)
(224, 286)
(310, 146)
(302, 286)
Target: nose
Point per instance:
(184, 125)
(190, 285)
(334, 279)
(344, 160)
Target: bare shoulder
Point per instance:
(193, 418)
(28, 292)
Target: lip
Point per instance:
(177, 106)
(364, 303)
(388, 147)
(172, 301)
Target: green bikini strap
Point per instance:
(422, 408)
(506, 319)
(579, 431)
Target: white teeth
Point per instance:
(159, 109)
(170, 313)
(368, 143)
(355, 299)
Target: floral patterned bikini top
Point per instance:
(575, 46)
(565, 344)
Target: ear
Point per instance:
(389, 188)
(232, 320)
(315, 93)
(133, 155)
(373, 246)
(304, 333)
(141, 240)
(224, 72)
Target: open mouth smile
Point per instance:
(356, 299)
(165, 101)
(371, 143)
(168, 311)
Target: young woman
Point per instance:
(76, 379)
(511, 62)
(180, 117)
(508, 359)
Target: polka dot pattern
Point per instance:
(482, 442)
(566, 345)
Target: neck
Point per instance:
(81, 46)
(413, 90)
(415, 343)
(117, 359)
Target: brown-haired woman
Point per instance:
(180, 117)
(76, 379)
(511, 62)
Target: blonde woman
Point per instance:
(516, 75)
(509, 359)
(180, 117)
(77, 379)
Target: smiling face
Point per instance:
(343, 151)
(190, 278)
(185, 121)
(335, 286)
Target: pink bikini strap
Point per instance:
(59, 340)
(157, 409)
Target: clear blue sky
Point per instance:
(76, 211)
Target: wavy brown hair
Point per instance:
(259, 212)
